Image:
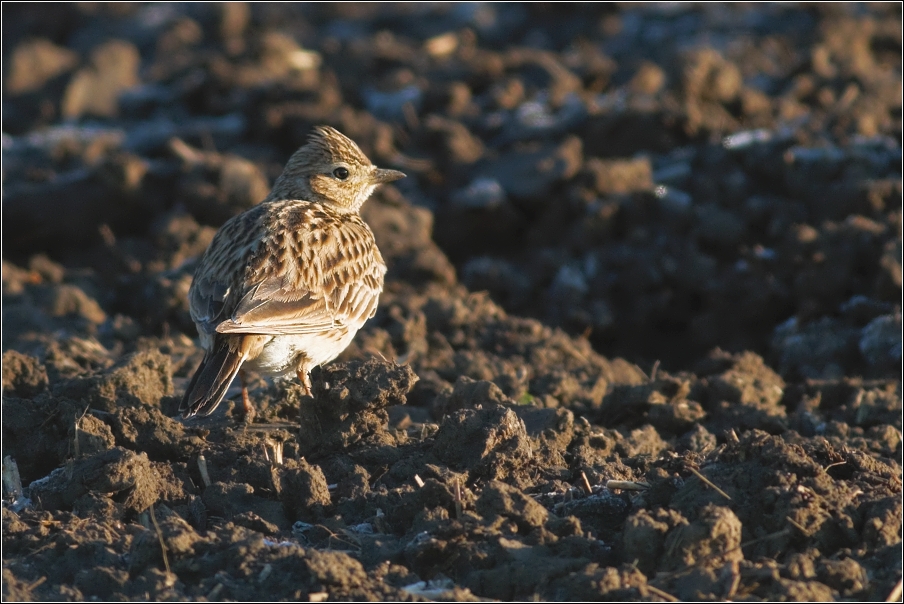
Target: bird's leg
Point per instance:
(305, 380)
(247, 408)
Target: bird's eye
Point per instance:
(340, 173)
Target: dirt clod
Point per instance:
(303, 491)
(123, 476)
(349, 403)
(23, 375)
(142, 378)
(491, 442)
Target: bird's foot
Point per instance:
(247, 412)
(305, 380)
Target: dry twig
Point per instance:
(627, 485)
(586, 483)
(160, 538)
(202, 468)
(709, 483)
(662, 594)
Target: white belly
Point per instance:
(282, 356)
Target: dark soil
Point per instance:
(641, 332)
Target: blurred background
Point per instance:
(662, 179)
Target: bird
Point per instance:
(284, 286)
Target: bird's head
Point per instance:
(332, 170)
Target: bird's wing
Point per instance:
(218, 276)
(315, 271)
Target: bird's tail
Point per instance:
(212, 379)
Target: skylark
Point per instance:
(285, 286)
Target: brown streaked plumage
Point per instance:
(285, 286)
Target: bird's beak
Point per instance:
(381, 176)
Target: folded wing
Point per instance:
(314, 272)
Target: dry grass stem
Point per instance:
(709, 483)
